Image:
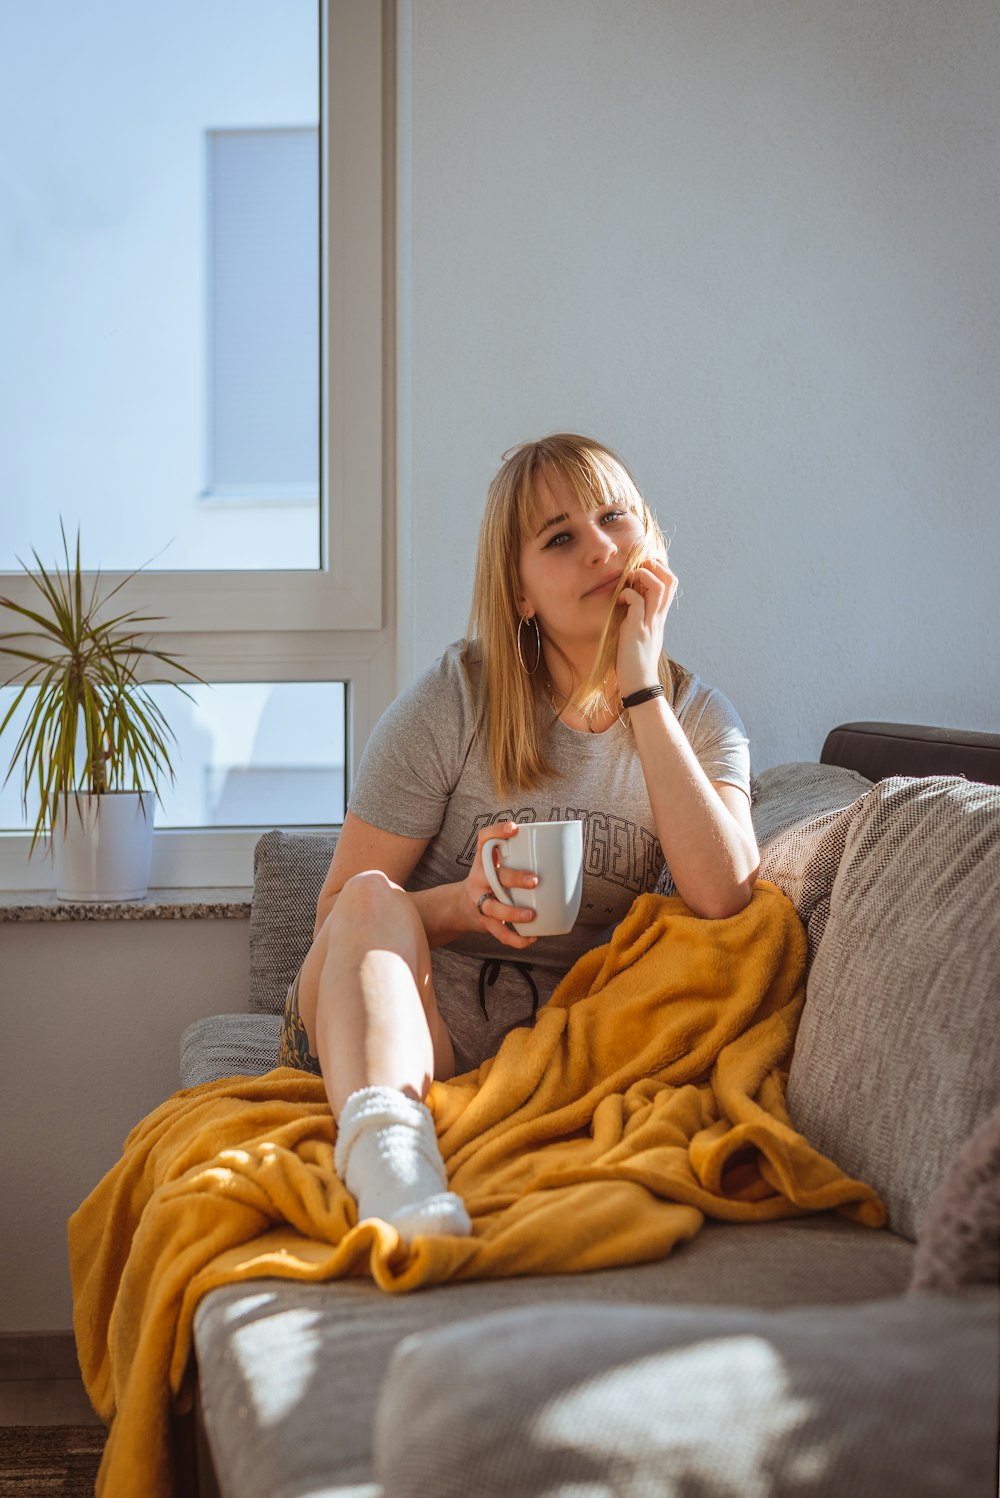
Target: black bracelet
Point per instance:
(645, 695)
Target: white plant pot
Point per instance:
(102, 846)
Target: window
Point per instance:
(265, 528)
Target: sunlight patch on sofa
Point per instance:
(727, 1402)
(242, 1309)
(288, 1342)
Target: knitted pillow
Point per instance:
(959, 1241)
(897, 1058)
(288, 873)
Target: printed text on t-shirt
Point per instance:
(613, 847)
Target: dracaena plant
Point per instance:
(93, 726)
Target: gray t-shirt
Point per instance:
(424, 774)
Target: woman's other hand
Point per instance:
(483, 910)
(646, 598)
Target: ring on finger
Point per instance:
(479, 902)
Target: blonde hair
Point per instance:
(515, 713)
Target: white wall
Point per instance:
(754, 248)
(92, 1014)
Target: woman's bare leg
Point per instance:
(366, 997)
(367, 1003)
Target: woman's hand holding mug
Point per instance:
(489, 912)
(550, 856)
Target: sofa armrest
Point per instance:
(229, 1045)
(877, 750)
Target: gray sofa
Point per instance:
(808, 1357)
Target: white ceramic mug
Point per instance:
(553, 851)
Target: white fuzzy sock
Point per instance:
(387, 1155)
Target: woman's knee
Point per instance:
(371, 915)
(370, 889)
(370, 899)
(372, 909)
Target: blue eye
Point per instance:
(562, 537)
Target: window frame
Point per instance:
(331, 624)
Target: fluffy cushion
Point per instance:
(288, 873)
(960, 1233)
(895, 1397)
(897, 1059)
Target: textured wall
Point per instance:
(753, 246)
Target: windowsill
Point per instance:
(158, 905)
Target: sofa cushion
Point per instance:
(289, 1372)
(897, 1058)
(288, 873)
(960, 1232)
(896, 1397)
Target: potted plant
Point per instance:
(95, 743)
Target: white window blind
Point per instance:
(263, 314)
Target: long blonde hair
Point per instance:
(515, 711)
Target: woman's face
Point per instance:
(570, 566)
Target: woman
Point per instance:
(561, 704)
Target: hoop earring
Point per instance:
(529, 619)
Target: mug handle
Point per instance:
(490, 871)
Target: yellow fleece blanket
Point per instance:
(648, 1095)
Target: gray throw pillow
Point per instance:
(789, 796)
(891, 1397)
(897, 1058)
(288, 873)
(959, 1241)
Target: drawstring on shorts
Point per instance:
(489, 972)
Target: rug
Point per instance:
(46, 1460)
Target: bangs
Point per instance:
(595, 476)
